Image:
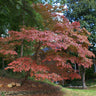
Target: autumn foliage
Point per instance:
(66, 42)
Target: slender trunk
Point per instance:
(3, 64)
(83, 78)
(63, 82)
(36, 54)
(23, 22)
(22, 46)
(75, 68)
(22, 49)
(94, 67)
(79, 70)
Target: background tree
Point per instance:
(17, 13)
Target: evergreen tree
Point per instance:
(85, 12)
(16, 13)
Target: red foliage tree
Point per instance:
(67, 44)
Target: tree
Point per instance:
(84, 12)
(14, 14)
(67, 45)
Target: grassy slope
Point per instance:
(79, 92)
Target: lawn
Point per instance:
(79, 92)
(91, 91)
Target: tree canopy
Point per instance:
(67, 42)
(43, 43)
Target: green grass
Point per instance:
(79, 92)
(91, 91)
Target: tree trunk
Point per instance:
(37, 58)
(75, 68)
(22, 49)
(83, 79)
(63, 82)
(79, 70)
(3, 66)
(94, 67)
(26, 77)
